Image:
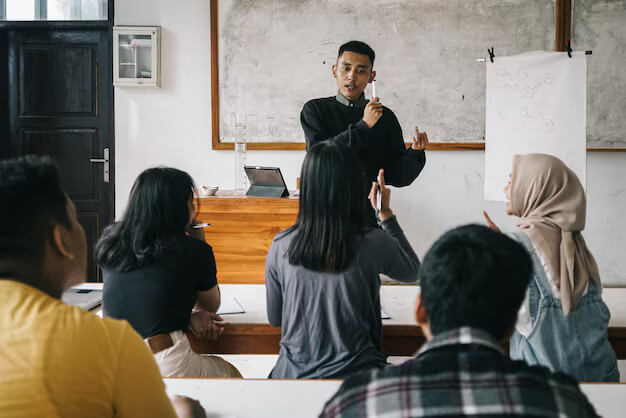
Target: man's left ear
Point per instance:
(59, 241)
(372, 76)
(420, 312)
(421, 317)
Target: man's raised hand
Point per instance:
(373, 112)
(490, 223)
(420, 140)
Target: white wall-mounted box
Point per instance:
(137, 56)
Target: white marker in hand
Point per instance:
(197, 226)
(374, 88)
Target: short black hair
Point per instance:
(32, 198)
(358, 47)
(475, 277)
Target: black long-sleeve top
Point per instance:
(382, 146)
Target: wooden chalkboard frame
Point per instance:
(562, 36)
(215, 98)
(215, 110)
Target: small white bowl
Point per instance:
(208, 190)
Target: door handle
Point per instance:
(105, 162)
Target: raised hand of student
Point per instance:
(490, 223)
(420, 140)
(373, 112)
(206, 325)
(187, 408)
(385, 196)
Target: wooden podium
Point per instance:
(241, 232)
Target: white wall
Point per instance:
(172, 126)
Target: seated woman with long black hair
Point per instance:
(322, 274)
(156, 268)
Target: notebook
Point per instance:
(83, 298)
(230, 306)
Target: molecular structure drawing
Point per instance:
(526, 92)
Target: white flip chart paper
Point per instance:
(536, 103)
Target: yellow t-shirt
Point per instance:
(57, 360)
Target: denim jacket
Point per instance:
(576, 344)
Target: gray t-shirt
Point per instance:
(330, 322)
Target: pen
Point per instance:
(379, 195)
(200, 225)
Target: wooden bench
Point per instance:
(250, 333)
(261, 398)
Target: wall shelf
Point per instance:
(136, 56)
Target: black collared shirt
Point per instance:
(336, 118)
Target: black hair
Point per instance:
(333, 198)
(476, 277)
(358, 47)
(156, 217)
(32, 200)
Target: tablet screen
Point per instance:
(265, 176)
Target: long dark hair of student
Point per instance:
(157, 214)
(333, 195)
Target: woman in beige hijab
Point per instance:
(563, 322)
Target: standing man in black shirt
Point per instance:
(369, 129)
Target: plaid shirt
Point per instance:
(460, 372)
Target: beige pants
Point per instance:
(180, 360)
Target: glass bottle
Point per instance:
(241, 180)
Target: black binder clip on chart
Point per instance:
(492, 55)
(568, 48)
(266, 182)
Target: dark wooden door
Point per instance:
(60, 104)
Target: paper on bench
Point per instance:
(383, 314)
(230, 306)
